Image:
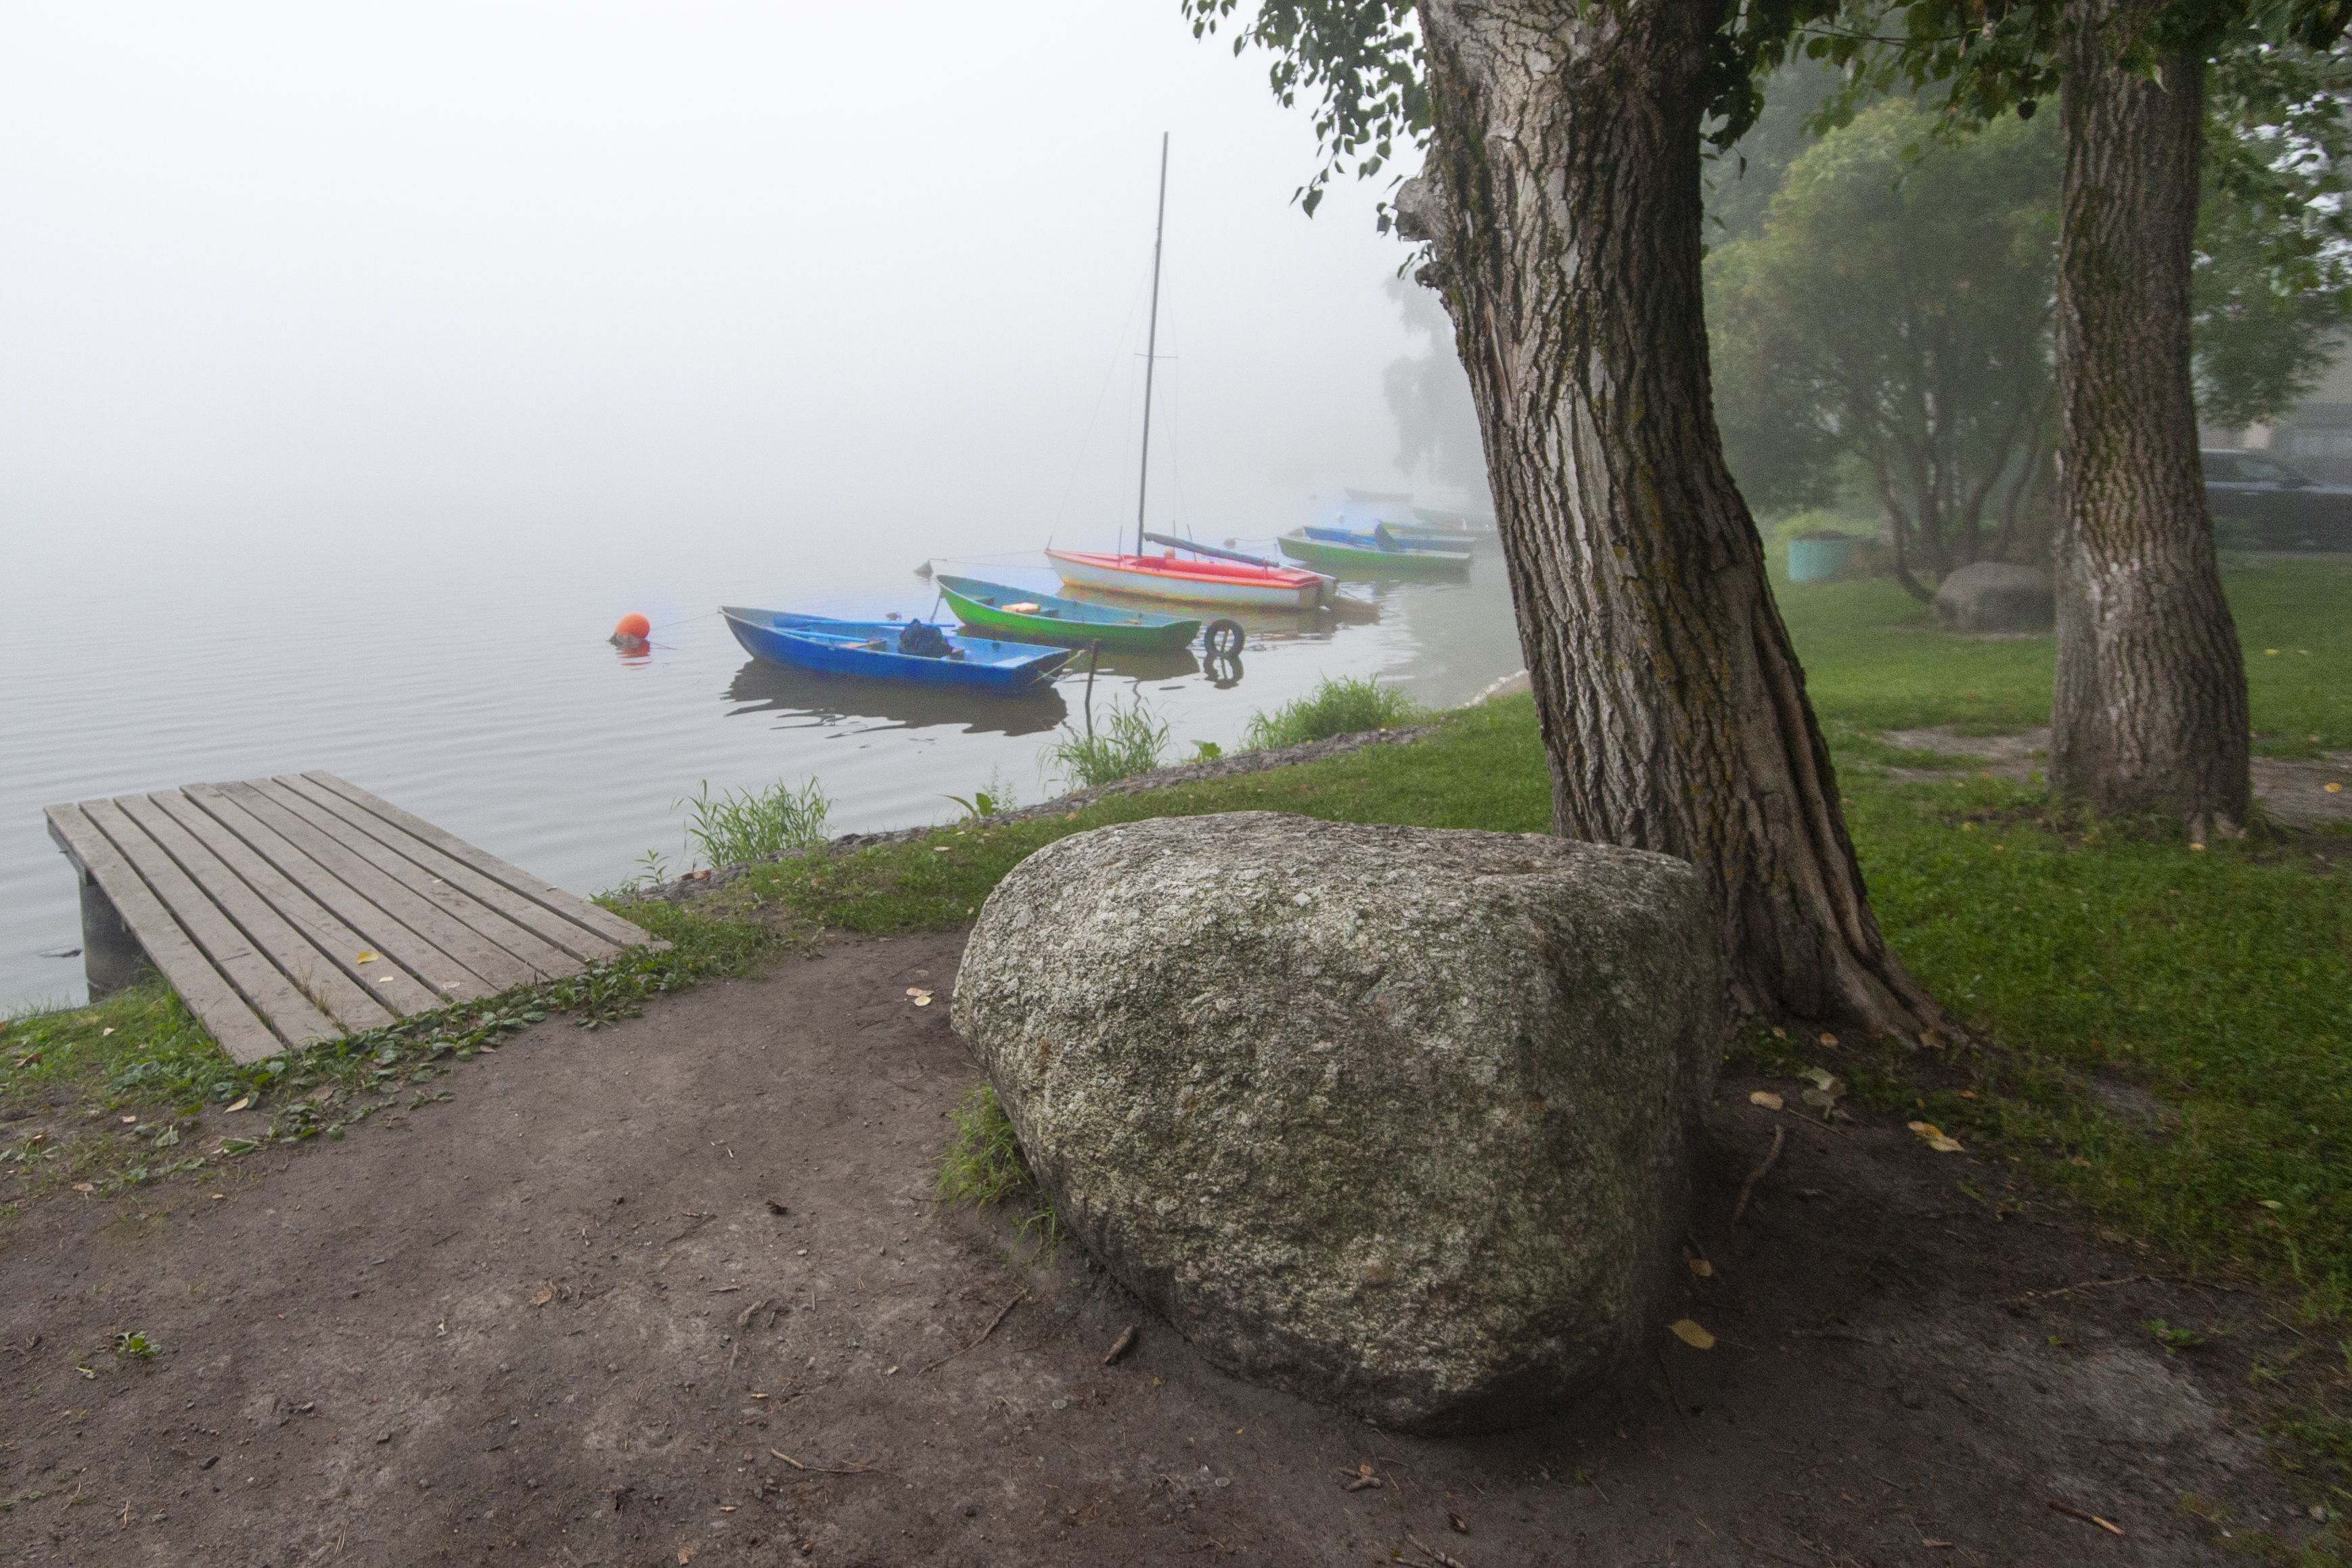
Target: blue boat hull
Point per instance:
(837, 648)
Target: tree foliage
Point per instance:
(1894, 311)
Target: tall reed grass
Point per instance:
(1339, 707)
(751, 825)
(1131, 740)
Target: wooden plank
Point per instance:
(546, 960)
(424, 966)
(567, 934)
(578, 910)
(288, 1012)
(317, 973)
(466, 951)
(240, 1030)
(385, 981)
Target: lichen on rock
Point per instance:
(1397, 1118)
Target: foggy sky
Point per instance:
(571, 272)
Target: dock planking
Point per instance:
(302, 907)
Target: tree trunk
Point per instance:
(1561, 202)
(2149, 709)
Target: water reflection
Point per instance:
(759, 687)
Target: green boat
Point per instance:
(1317, 547)
(1027, 617)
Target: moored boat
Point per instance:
(1339, 549)
(1192, 581)
(884, 649)
(1031, 617)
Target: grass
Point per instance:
(1343, 705)
(1875, 660)
(983, 1166)
(1132, 741)
(754, 826)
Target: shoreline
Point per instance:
(694, 884)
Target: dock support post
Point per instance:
(112, 958)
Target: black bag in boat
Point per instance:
(924, 641)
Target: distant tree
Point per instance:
(1429, 396)
(2271, 287)
(1894, 311)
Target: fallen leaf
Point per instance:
(1766, 1098)
(546, 1294)
(922, 1002)
(2332, 788)
(1691, 1334)
(2271, 1203)
(917, 991)
(365, 958)
(1938, 1139)
(1821, 1077)
(1829, 1040)
(130, 1119)
(1701, 1267)
(83, 1186)
(104, 1032)
(238, 1105)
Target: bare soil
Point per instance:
(2294, 791)
(674, 1292)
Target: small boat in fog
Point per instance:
(1382, 551)
(1194, 581)
(991, 607)
(893, 651)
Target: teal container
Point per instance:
(1817, 558)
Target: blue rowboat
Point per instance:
(870, 648)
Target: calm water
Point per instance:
(470, 681)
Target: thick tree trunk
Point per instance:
(1561, 200)
(2149, 708)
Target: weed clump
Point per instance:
(983, 1166)
(1132, 741)
(735, 828)
(1343, 705)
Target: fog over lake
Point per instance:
(362, 367)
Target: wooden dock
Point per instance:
(300, 909)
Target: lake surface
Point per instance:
(469, 679)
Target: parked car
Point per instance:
(2267, 504)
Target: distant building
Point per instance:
(2315, 436)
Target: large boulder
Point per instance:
(1996, 596)
(1396, 1118)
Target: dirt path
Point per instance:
(2295, 791)
(555, 1321)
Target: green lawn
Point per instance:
(1875, 660)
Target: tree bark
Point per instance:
(1561, 201)
(2150, 706)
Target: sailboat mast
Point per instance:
(1152, 345)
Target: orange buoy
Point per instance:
(633, 628)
